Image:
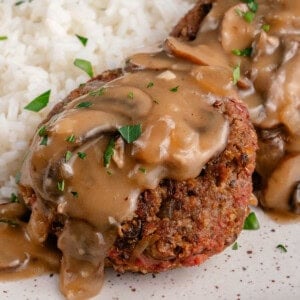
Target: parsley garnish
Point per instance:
(84, 104)
(84, 65)
(174, 89)
(130, 95)
(282, 248)
(19, 3)
(130, 133)
(142, 170)
(108, 153)
(252, 4)
(236, 74)
(75, 194)
(9, 222)
(68, 156)
(235, 246)
(39, 102)
(243, 52)
(249, 16)
(14, 198)
(42, 131)
(99, 92)
(150, 85)
(71, 138)
(44, 140)
(251, 222)
(81, 155)
(61, 185)
(82, 39)
(3, 38)
(266, 27)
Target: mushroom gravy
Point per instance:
(261, 40)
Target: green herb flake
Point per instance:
(239, 12)
(130, 133)
(99, 92)
(109, 172)
(44, 141)
(236, 74)
(19, 3)
(42, 131)
(9, 222)
(84, 104)
(68, 156)
(150, 85)
(108, 153)
(235, 246)
(174, 89)
(243, 52)
(282, 248)
(251, 222)
(252, 4)
(142, 170)
(18, 177)
(81, 155)
(249, 16)
(82, 39)
(14, 198)
(61, 185)
(130, 95)
(3, 38)
(75, 194)
(84, 65)
(71, 138)
(266, 27)
(39, 102)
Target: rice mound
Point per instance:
(41, 47)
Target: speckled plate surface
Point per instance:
(257, 270)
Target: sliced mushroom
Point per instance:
(295, 200)
(281, 184)
(233, 26)
(197, 53)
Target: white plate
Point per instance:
(257, 270)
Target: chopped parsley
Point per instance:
(130, 133)
(3, 38)
(81, 155)
(68, 156)
(14, 198)
(44, 140)
(71, 138)
(236, 74)
(150, 85)
(282, 248)
(42, 131)
(84, 65)
(266, 27)
(142, 170)
(19, 3)
(130, 95)
(252, 5)
(109, 172)
(61, 185)
(84, 104)
(39, 102)
(235, 246)
(9, 222)
(18, 177)
(243, 52)
(82, 39)
(174, 89)
(249, 16)
(99, 92)
(251, 222)
(75, 194)
(108, 153)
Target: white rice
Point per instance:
(41, 48)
